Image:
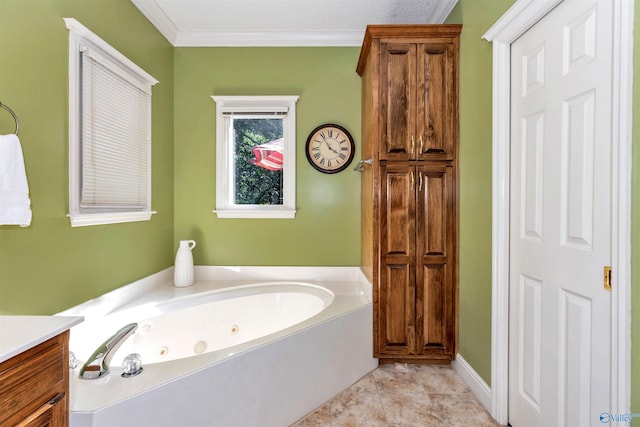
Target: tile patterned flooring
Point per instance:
(403, 396)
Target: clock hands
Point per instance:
(329, 145)
(331, 148)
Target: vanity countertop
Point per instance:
(20, 333)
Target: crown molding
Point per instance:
(156, 15)
(158, 18)
(442, 11)
(214, 38)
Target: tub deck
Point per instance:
(273, 380)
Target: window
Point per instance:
(109, 133)
(255, 156)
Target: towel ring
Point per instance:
(6, 107)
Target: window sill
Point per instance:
(81, 220)
(256, 213)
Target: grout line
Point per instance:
(384, 412)
(331, 407)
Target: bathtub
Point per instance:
(243, 346)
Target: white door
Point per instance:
(559, 315)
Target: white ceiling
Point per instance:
(283, 22)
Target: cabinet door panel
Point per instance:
(396, 310)
(398, 213)
(396, 313)
(434, 209)
(433, 306)
(435, 102)
(435, 293)
(398, 104)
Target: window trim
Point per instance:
(225, 208)
(79, 34)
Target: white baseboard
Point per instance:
(477, 385)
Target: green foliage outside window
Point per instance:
(255, 185)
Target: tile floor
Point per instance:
(403, 395)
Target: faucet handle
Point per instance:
(131, 365)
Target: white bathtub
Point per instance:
(244, 346)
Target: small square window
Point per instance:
(255, 156)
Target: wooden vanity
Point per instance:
(34, 372)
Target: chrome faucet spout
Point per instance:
(98, 364)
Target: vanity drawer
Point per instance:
(31, 379)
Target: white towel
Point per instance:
(14, 190)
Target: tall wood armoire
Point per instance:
(410, 189)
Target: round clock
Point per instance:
(330, 148)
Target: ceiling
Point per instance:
(283, 22)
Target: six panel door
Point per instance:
(560, 222)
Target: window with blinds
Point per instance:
(110, 133)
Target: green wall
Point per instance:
(50, 266)
(477, 16)
(326, 229)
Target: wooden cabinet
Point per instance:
(34, 385)
(417, 100)
(409, 193)
(415, 304)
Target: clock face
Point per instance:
(330, 148)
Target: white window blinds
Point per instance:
(115, 139)
(109, 133)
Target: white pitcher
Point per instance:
(183, 269)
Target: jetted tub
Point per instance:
(244, 346)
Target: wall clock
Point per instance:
(330, 148)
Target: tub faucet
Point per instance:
(98, 364)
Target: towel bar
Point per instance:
(6, 107)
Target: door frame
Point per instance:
(515, 22)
